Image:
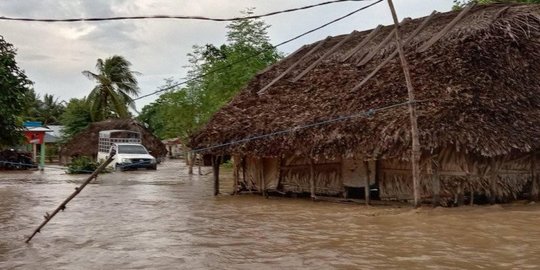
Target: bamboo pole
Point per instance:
(366, 189)
(534, 178)
(62, 206)
(236, 172)
(190, 161)
(492, 182)
(263, 182)
(415, 156)
(215, 169)
(436, 183)
(460, 194)
(312, 178)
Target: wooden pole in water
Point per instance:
(436, 183)
(534, 178)
(236, 173)
(368, 176)
(312, 178)
(62, 206)
(415, 156)
(492, 182)
(215, 169)
(263, 182)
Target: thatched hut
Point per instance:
(85, 143)
(476, 77)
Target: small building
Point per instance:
(332, 118)
(175, 148)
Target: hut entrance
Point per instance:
(356, 173)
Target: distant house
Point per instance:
(55, 136)
(175, 148)
(477, 85)
(85, 143)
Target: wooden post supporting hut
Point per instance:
(215, 170)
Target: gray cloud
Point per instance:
(54, 55)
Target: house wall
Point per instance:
(503, 178)
(354, 172)
(296, 174)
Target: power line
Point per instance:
(177, 17)
(258, 53)
(366, 113)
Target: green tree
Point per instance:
(116, 84)
(216, 73)
(51, 109)
(47, 110)
(76, 116)
(14, 86)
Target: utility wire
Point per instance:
(367, 113)
(256, 54)
(179, 17)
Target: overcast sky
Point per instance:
(54, 54)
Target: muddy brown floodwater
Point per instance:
(166, 219)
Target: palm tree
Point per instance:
(50, 109)
(116, 84)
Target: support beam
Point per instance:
(363, 43)
(460, 194)
(445, 30)
(261, 173)
(291, 67)
(215, 170)
(42, 157)
(435, 183)
(493, 182)
(312, 178)
(326, 54)
(236, 173)
(190, 156)
(535, 179)
(415, 158)
(368, 177)
(396, 52)
(373, 52)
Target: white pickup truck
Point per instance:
(132, 156)
(129, 152)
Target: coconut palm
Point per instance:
(116, 84)
(51, 109)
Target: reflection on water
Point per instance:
(166, 219)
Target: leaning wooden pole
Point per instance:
(62, 206)
(415, 156)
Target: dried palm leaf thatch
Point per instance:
(479, 89)
(85, 143)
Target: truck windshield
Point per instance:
(132, 149)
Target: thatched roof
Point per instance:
(479, 87)
(85, 143)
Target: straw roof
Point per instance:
(85, 143)
(478, 88)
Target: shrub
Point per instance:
(82, 164)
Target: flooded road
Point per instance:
(166, 219)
